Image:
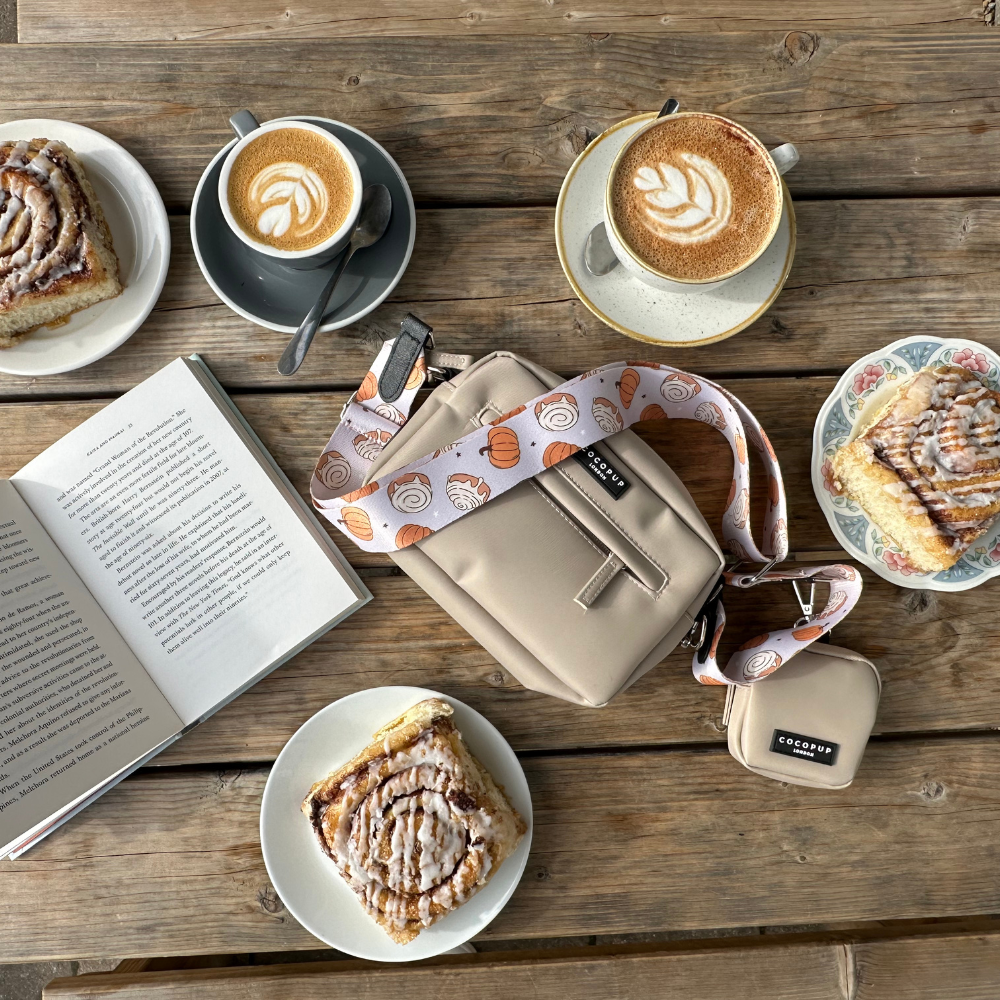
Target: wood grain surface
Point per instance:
(936, 652)
(866, 272)
(93, 21)
(623, 843)
(929, 967)
(499, 119)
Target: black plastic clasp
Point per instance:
(413, 334)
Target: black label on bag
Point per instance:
(603, 471)
(807, 747)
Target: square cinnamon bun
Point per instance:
(414, 823)
(927, 467)
(56, 253)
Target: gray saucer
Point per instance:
(278, 297)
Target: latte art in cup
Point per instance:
(695, 197)
(290, 188)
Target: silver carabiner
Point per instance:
(808, 614)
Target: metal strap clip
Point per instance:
(808, 614)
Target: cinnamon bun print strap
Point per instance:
(763, 654)
(407, 505)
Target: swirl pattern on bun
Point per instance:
(927, 468)
(56, 253)
(414, 823)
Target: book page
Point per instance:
(188, 544)
(75, 705)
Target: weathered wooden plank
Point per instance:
(929, 967)
(865, 273)
(499, 119)
(935, 654)
(623, 843)
(803, 972)
(935, 651)
(296, 426)
(175, 20)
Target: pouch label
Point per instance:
(806, 747)
(603, 471)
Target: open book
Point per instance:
(154, 563)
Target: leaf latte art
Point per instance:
(290, 188)
(287, 193)
(685, 206)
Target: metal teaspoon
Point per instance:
(376, 207)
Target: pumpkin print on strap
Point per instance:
(357, 523)
(558, 452)
(410, 534)
(502, 448)
(627, 385)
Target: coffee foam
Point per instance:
(290, 188)
(694, 198)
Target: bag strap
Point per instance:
(403, 507)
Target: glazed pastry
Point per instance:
(56, 254)
(414, 823)
(927, 469)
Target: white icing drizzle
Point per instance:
(942, 437)
(411, 840)
(42, 238)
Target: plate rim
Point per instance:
(915, 582)
(335, 324)
(152, 219)
(395, 952)
(614, 324)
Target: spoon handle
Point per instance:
(294, 354)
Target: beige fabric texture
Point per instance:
(826, 692)
(510, 572)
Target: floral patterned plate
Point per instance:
(865, 386)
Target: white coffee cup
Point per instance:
(781, 160)
(333, 244)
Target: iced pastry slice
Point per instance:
(414, 823)
(927, 468)
(56, 253)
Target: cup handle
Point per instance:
(785, 157)
(243, 123)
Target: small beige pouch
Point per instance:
(809, 722)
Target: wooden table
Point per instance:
(645, 829)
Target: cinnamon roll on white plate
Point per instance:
(56, 251)
(84, 246)
(415, 838)
(926, 468)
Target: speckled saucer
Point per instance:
(673, 319)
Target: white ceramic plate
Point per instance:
(306, 879)
(671, 319)
(138, 223)
(864, 387)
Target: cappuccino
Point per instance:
(290, 189)
(695, 197)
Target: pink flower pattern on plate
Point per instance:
(971, 360)
(828, 481)
(897, 562)
(995, 552)
(863, 381)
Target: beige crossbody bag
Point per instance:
(559, 540)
